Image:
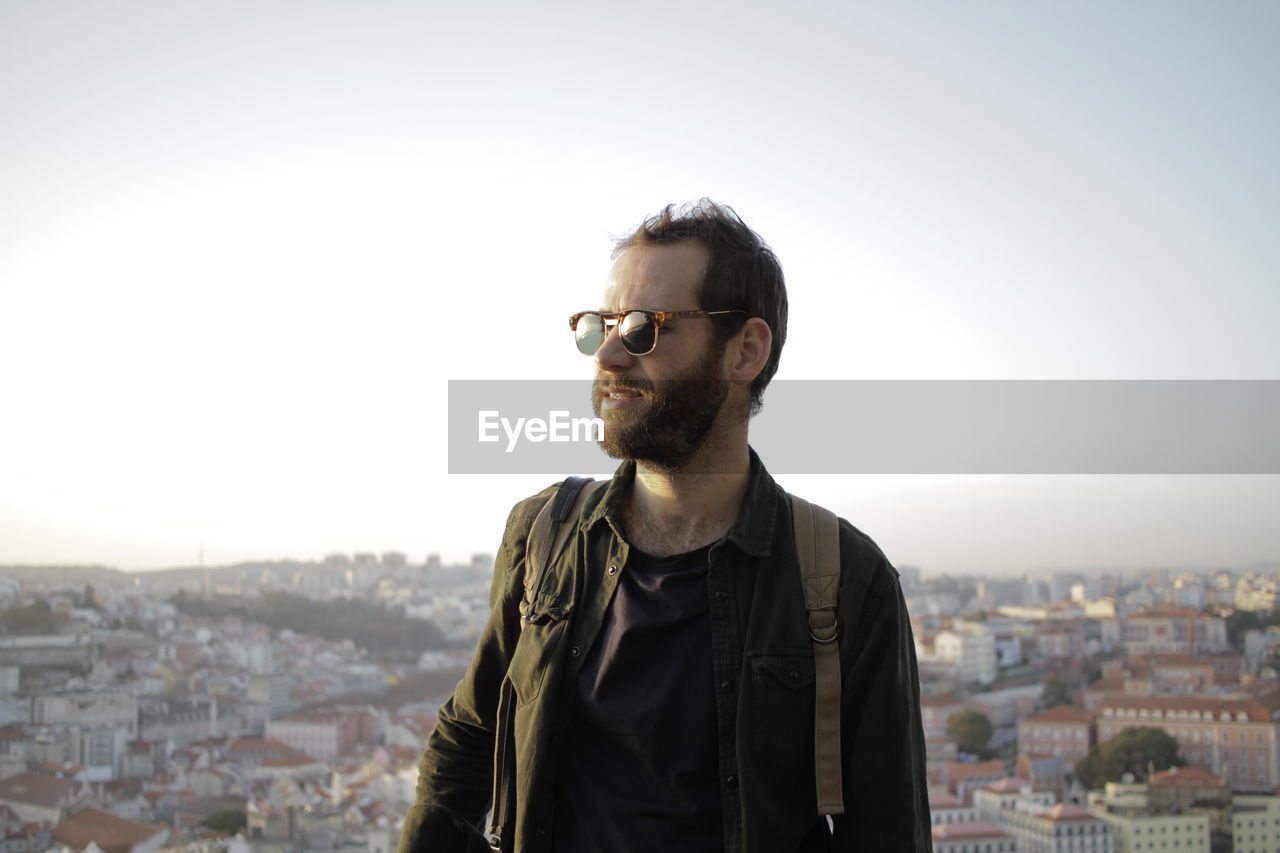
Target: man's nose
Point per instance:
(612, 355)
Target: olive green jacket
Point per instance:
(763, 665)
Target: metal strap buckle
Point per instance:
(835, 633)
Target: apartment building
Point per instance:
(1255, 823)
(1064, 828)
(977, 837)
(1235, 739)
(1061, 731)
(1163, 630)
(319, 735)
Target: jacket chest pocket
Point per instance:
(782, 705)
(537, 651)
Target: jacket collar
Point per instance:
(752, 530)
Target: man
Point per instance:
(663, 678)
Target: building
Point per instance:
(319, 735)
(963, 778)
(1179, 789)
(1234, 739)
(1161, 630)
(972, 648)
(40, 798)
(1062, 829)
(86, 710)
(1135, 833)
(1045, 772)
(108, 832)
(187, 720)
(947, 808)
(1255, 823)
(293, 766)
(1012, 793)
(1061, 731)
(972, 837)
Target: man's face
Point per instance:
(659, 408)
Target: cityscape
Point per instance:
(283, 706)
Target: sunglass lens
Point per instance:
(638, 332)
(589, 333)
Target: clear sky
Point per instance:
(244, 245)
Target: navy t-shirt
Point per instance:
(638, 769)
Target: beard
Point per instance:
(674, 421)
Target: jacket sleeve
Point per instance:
(885, 786)
(455, 774)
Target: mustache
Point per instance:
(635, 386)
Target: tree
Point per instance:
(1248, 620)
(971, 729)
(1131, 751)
(1056, 692)
(229, 821)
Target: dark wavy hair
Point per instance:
(742, 273)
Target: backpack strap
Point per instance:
(546, 539)
(549, 533)
(817, 533)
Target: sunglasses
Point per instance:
(637, 327)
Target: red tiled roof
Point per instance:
(249, 744)
(968, 829)
(114, 834)
(1008, 785)
(38, 789)
(1061, 714)
(1067, 811)
(1256, 710)
(1191, 776)
(943, 801)
(959, 770)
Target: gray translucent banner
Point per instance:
(909, 427)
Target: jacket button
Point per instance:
(726, 686)
(613, 568)
(720, 596)
(731, 780)
(574, 651)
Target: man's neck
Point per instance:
(671, 512)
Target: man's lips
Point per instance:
(614, 396)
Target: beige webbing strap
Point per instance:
(818, 547)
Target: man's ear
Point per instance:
(749, 351)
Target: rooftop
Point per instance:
(1061, 714)
(1008, 785)
(967, 829)
(1186, 776)
(112, 833)
(1067, 811)
(38, 789)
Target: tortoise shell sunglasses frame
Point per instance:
(639, 337)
